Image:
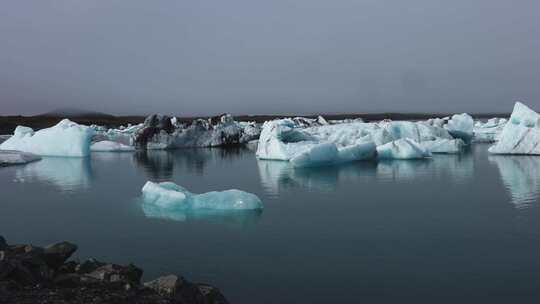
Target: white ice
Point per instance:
(330, 154)
(461, 126)
(404, 148)
(443, 145)
(171, 195)
(110, 146)
(8, 158)
(521, 135)
(488, 131)
(64, 139)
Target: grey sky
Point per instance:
(191, 57)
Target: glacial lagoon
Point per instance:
(460, 225)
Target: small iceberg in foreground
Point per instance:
(521, 134)
(110, 146)
(8, 158)
(64, 139)
(171, 195)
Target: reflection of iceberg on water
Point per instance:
(278, 175)
(233, 217)
(67, 173)
(520, 175)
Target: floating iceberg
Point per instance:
(171, 195)
(449, 146)
(521, 135)
(330, 154)
(8, 158)
(404, 148)
(162, 132)
(282, 140)
(488, 131)
(65, 139)
(461, 126)
(110, 146)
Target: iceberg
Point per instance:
(461, 126)
(110, 146)
(488, 131)
(282, 140)
(521, 134)
(64, 139)
(171, 195)
(8, 158)
(162, 132)
(330, 154)
(443, 145)
(404, 148)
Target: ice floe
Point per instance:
(521, 134)
(488, 131)
(64, 139)
(171, 195)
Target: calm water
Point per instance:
(465, 225)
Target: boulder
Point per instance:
(56, 254)
(112, 273)
(3, 243)
(183, 291)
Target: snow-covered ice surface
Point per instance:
(461, 126)
(171, 195)
(520, 175)
(8, 158)
(404, 148)
(110, 146)
(521, 134)
(64, 139)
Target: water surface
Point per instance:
(461, 225)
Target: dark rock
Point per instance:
(116, 273)
(88, 266)
(68, 280)
(3, 243)
(183, 291)
(166, 285)
(56, 254)
(69, 267)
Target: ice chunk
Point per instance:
(461, 126)
(282, 140)
(65, 139)
(521, 135)
(330, 154)
(404, 148)
(110, 146)
(8, 158)
(489, 131)
(444, 145)
(168, 194)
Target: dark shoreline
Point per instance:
(9, 123)
(33, 274)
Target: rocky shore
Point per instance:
(32, 274)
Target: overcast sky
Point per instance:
(192, 57)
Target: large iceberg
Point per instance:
(64, 139)
(330, 144)
(159, 132)
(171, 195)
(8, 158)
(404, 148)
(110, 146)
(461, 126)
(521, 135)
